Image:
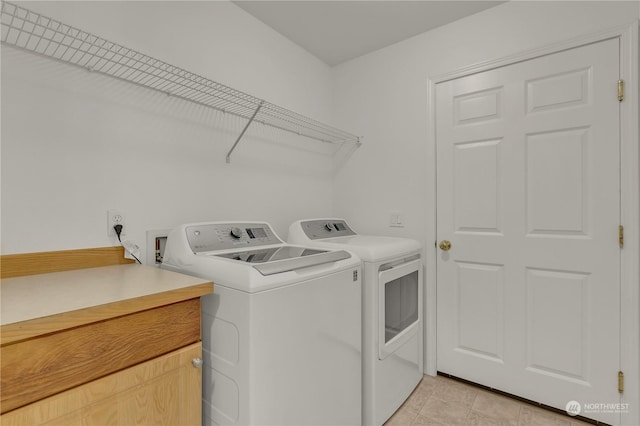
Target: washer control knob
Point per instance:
(236, 232)
(328, 227)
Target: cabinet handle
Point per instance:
(197, 362)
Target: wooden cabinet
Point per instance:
(163, 391)
(129, 355)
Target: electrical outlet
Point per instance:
(396, 220)
(115, 217)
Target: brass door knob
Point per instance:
(445, 245)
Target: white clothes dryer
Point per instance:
(391, 310)
(282, 331)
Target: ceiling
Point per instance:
(336, 31)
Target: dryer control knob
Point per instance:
(328, 227)
(236, 232)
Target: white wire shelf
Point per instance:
(42, 35)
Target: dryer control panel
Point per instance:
(326, 228)
(223, 236)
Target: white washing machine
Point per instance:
(281, 332)
(391, 308)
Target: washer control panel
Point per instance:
(326, 228)
(224, 236)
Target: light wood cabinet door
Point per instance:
(166, 390)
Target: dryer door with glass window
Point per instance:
(400, 305)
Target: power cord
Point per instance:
(118, 229)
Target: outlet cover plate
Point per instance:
(115, 217)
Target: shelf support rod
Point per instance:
(243, 131)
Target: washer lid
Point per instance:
(270, 254)
(275, 260)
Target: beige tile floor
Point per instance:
(443, 401)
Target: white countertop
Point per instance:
(37, 296)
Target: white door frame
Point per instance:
(630, 203)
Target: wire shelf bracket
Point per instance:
(243, 131)
(36, 33)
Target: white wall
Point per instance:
(62, 127)
(384, 96)
(75, 143)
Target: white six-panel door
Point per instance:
(528, 194)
